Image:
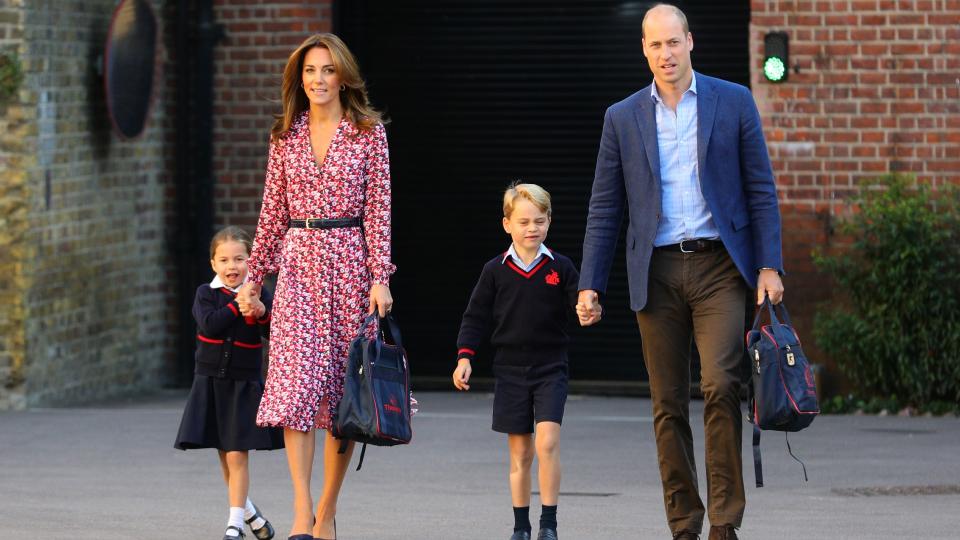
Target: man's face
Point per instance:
(667, 47)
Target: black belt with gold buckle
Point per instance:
(324, 223)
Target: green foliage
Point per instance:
(851, 404)
(898, 330)
(11, 75)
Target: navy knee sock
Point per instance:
(521, 518)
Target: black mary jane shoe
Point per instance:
(520, 535)
(547, 534)
(263, 533)
(300, 537)
(239, 536)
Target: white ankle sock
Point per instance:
(249, 511)
(236, 517)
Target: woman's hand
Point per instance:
(380, 299)
(256, 309)
(247, 297)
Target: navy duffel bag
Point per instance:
(782, 394)
(375, 408)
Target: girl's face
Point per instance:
(527, 225)
(230, 263)
(320, 79)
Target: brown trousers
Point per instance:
(699, 295)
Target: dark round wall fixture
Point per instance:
(128, 64)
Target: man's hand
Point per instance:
(588, 307)
(461, 375)
(769, 284)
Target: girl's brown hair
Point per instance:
(228, 234)
(353, 98)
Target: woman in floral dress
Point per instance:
(328, 164)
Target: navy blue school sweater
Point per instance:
(228, 344)
(514, 308)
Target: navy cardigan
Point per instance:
(229, 345)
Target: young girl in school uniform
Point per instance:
(228, 382)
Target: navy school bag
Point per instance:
(375, 408)
(782, 395)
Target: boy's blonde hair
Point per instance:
(227, 234)
(531, 192)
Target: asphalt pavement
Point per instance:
(110, 471)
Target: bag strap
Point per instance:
(786, 435)
(757, 462)
(363, 452)
(391, 325)
(394, 330)
(771, 309)
(343, 450)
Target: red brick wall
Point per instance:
(260, 35)
(876, 91)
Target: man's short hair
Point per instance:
(676, 11)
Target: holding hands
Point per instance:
(248, 298)
(589, 310)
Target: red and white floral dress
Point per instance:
(324, 275)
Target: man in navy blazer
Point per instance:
(686, 158)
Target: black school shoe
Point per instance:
(239, 536)
(263, 533)
(547, 534)
(520, 535)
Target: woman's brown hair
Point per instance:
(353, 98)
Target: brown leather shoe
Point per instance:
(722, 532)
(686, 535)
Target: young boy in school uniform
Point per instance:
(522, 304)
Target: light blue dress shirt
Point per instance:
(684, 212)
(512, 254)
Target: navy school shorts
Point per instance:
(529, 389)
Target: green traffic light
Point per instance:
(774, 69)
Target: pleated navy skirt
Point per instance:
(221, 413)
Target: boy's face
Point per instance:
(527, 225)
(230, 263)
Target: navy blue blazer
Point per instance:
(735, 176)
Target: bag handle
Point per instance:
(771, 309)
(391, 325)
(394, 330)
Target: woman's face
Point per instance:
(321, 82)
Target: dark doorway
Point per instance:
(481, 93)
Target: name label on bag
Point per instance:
(392, 406)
